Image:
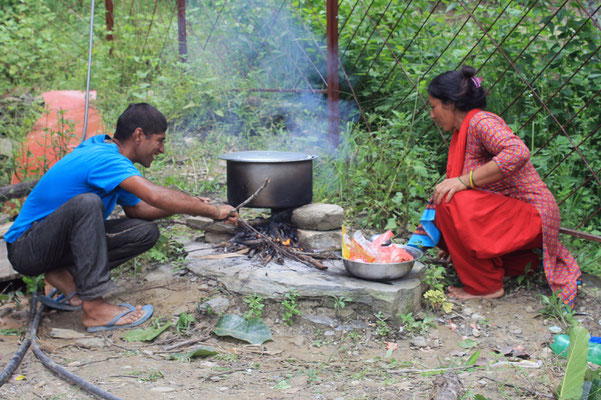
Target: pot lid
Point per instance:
(266, 156)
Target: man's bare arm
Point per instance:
(144, 210)
(159, 201)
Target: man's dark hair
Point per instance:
(458, 88)
(140, 115)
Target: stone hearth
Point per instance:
(246, 277)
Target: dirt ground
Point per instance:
(346, 359)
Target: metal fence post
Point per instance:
(181, 30)
(332, 63)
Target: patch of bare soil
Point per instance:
(341, 355)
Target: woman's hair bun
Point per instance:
(468, 72)
(460, 88)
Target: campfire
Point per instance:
(271, 239)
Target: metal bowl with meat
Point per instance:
(383, 271)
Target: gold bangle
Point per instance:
(463, 182)
(472, 179)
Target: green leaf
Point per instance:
(201, 351)
(467, 343)
(253, 330)
(473, 358)
(571, 385)
(146, 334)
(281, 385)
(10, 332)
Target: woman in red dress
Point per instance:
(492, 210)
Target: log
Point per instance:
(17, 190)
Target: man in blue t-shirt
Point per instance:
(62, 231)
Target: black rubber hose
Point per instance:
(48, 363)
(34, 320)
(71, 377)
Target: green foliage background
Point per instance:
(385, 168)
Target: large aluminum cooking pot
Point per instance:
(290, 178)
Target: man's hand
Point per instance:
(225, 213)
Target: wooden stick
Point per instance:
(252, 196)
(239, 206)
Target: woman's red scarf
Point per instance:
(457, 147)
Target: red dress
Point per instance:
(489, 232)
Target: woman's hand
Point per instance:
(448, 188)
(443, 255)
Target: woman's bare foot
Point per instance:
(99, 312)
(461, 294)
(62, 279)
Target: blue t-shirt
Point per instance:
(95, 166)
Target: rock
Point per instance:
(198, 222)
(317, 240)
(356, 324)
(546, 352)
(299, 341)
(162, 273)
(206, 224)
(162, 389)
(90, 342)
(477, 317)
(321, 320)
(216, 238)
(419, 341)
(6, 147)
(218, 305)
(450, 387)
(516, 330)
(299, 381)
(346, 312)
(318, 217)
(329, 333)
(58, 333)
(475, 332)
(244, 276)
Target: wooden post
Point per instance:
(332, 63)
(181, 30)
(108, 5)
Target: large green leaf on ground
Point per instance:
(146, 334)
(573, 379)
(252, 330)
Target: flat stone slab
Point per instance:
(246, 277)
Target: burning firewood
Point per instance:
(272, 240)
